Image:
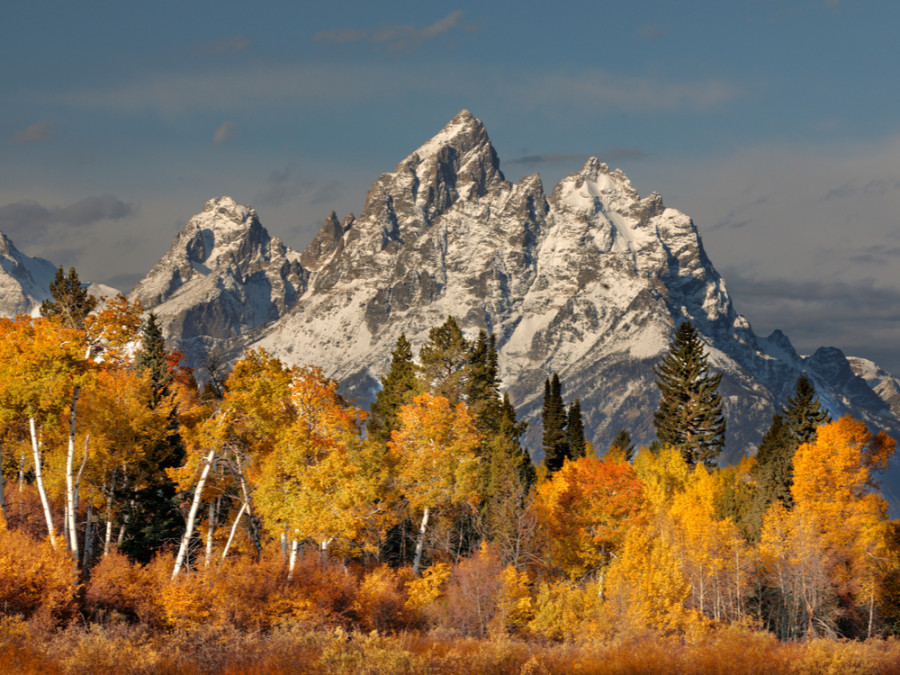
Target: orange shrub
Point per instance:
(35, 580)
(381, 603)
(119, 585)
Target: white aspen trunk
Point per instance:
(284, 545)
(39, 479)
(295, 545)
(70, 479)
(233, 530)
(107, 538)
(121, 536)
(420, 542)
(192, 514)
(871, 608)
(84, 460)
(323, 549)
(109, 501)
(210, 530)
(21, 471)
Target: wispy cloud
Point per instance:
(876, 187)
(231, 45)
(27, 221)
(226, 131)
(34, 133)
(737, 217)
(395, 38)
(255, 87)
(282, 186)
(542, 160)
(651, 32)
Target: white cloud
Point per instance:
(34, 133)
(226, 131)
(395, 37)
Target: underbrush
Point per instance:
(126, 648)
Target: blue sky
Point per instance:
(771, 122)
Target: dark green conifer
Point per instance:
(553, 417)
(577, 446)
(444, 361)
(153, 359)
(689, 416)
(804, 413)
(622, 443)
(398, 388)
(68, 299)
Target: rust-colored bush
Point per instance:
(381, 603)
(119, 585)
(36, 581)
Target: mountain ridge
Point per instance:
(588, 281)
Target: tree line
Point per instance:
(124, 453)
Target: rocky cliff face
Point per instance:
(589, 282)
(223, 278)
(24, 281)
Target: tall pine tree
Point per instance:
(398, 388)
(804, 413)
(622, 445)
(554, 419)
(774, 469)
(577, 446)
(444, 361)
(69, 300)
(689, 416)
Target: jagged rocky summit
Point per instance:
(222, 279)
(588, 281)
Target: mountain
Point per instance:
(25, 281)
(223, 278)
(588, 281)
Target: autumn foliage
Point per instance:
(433, 546)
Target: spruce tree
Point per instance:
(398, 387)
(483, 384)
(553, 417)
(153, 359)
(622, 444)
(689, 416)
(444, 361)
(774, 470)
(577, 447)
(68, 299)
(804, 413)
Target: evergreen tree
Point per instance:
(444, 361)
(689, 416)
(553, 417)
(398, 388)
(577, 447)
(68, 299)
(152, 358)
(483, 385)
(804, 413)
(622, 444)
(154, 517)
(774, 470)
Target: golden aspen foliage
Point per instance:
(585, 510)
(831, 556)
(435, 453)
(715, 558)
(311, 482)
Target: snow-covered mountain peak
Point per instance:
(458, 163)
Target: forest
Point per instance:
(262, 523)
